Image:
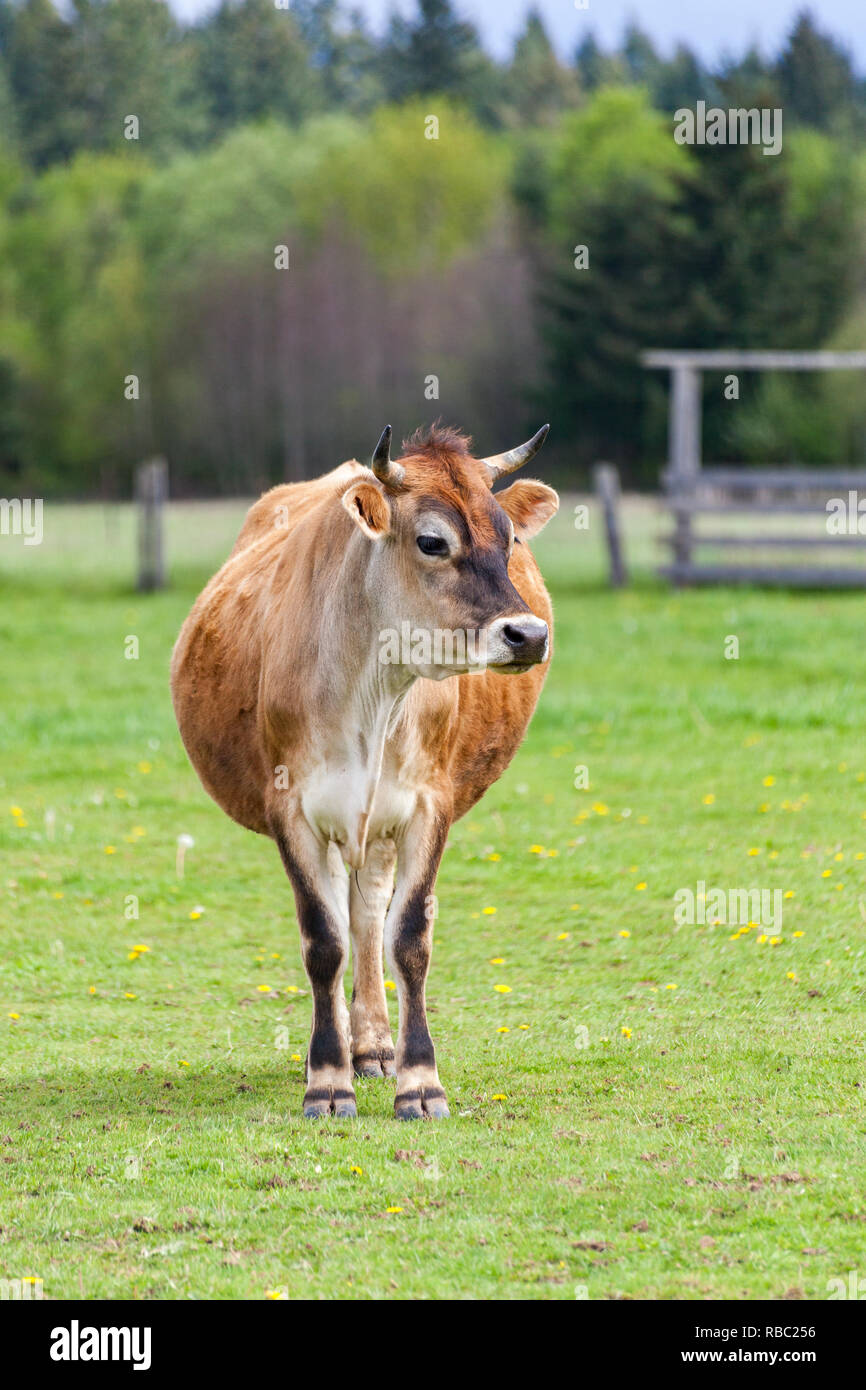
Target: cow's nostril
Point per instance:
(514, 636)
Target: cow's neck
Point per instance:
(362, 697)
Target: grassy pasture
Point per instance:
(639, 1109)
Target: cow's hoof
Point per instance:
(424, 1103)
(371, 1064)
(326, 1101)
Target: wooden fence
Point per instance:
(757, 494)
(151, 494)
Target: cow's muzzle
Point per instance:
(517, 642)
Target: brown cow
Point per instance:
(299, 687)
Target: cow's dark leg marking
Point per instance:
(324, 946)
(409, 942)
(369, 895)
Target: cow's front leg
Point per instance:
(408, 945)
(322, 906)
(370, 893)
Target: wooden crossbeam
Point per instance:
(758, 361)
(782, 576)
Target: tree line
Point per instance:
(246, 243)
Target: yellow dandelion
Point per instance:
(599, 808)
(16, 811)
(500, 1095)
(827, 873)
(393, 1211)
(769, 781)
(762, 938)
(776, 940)
(194, 916)
(263, 989)
(789, 893)
(625, 933)
(563, 936)
(488, 911)
(497, 960)
(709, 799)
(389, 984)
(14, 1017)
(355, 1169)
(144, 767)
(110, 849)
(753, 852)
(503, 1030)
(536, 849)
(626, 1032)
(494, 858)
(92, 989)
(799, 933)
(791, 975)
(127, 995)
(296, 1057)
(502, 989)
(671, 986)
(639, 887)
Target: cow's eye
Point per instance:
(432, 545)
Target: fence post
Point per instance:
(607, 487)
(151, 491)
(685, 452)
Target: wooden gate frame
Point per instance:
(685, 476)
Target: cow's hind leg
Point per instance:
(322, 907)
(369, 895)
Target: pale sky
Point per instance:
(711, 27)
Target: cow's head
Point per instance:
(440, 546)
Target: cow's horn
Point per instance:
(500, 464)
(386, 470)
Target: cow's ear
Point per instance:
(530, 506)
(368, 508)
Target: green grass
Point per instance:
(153, 1146)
